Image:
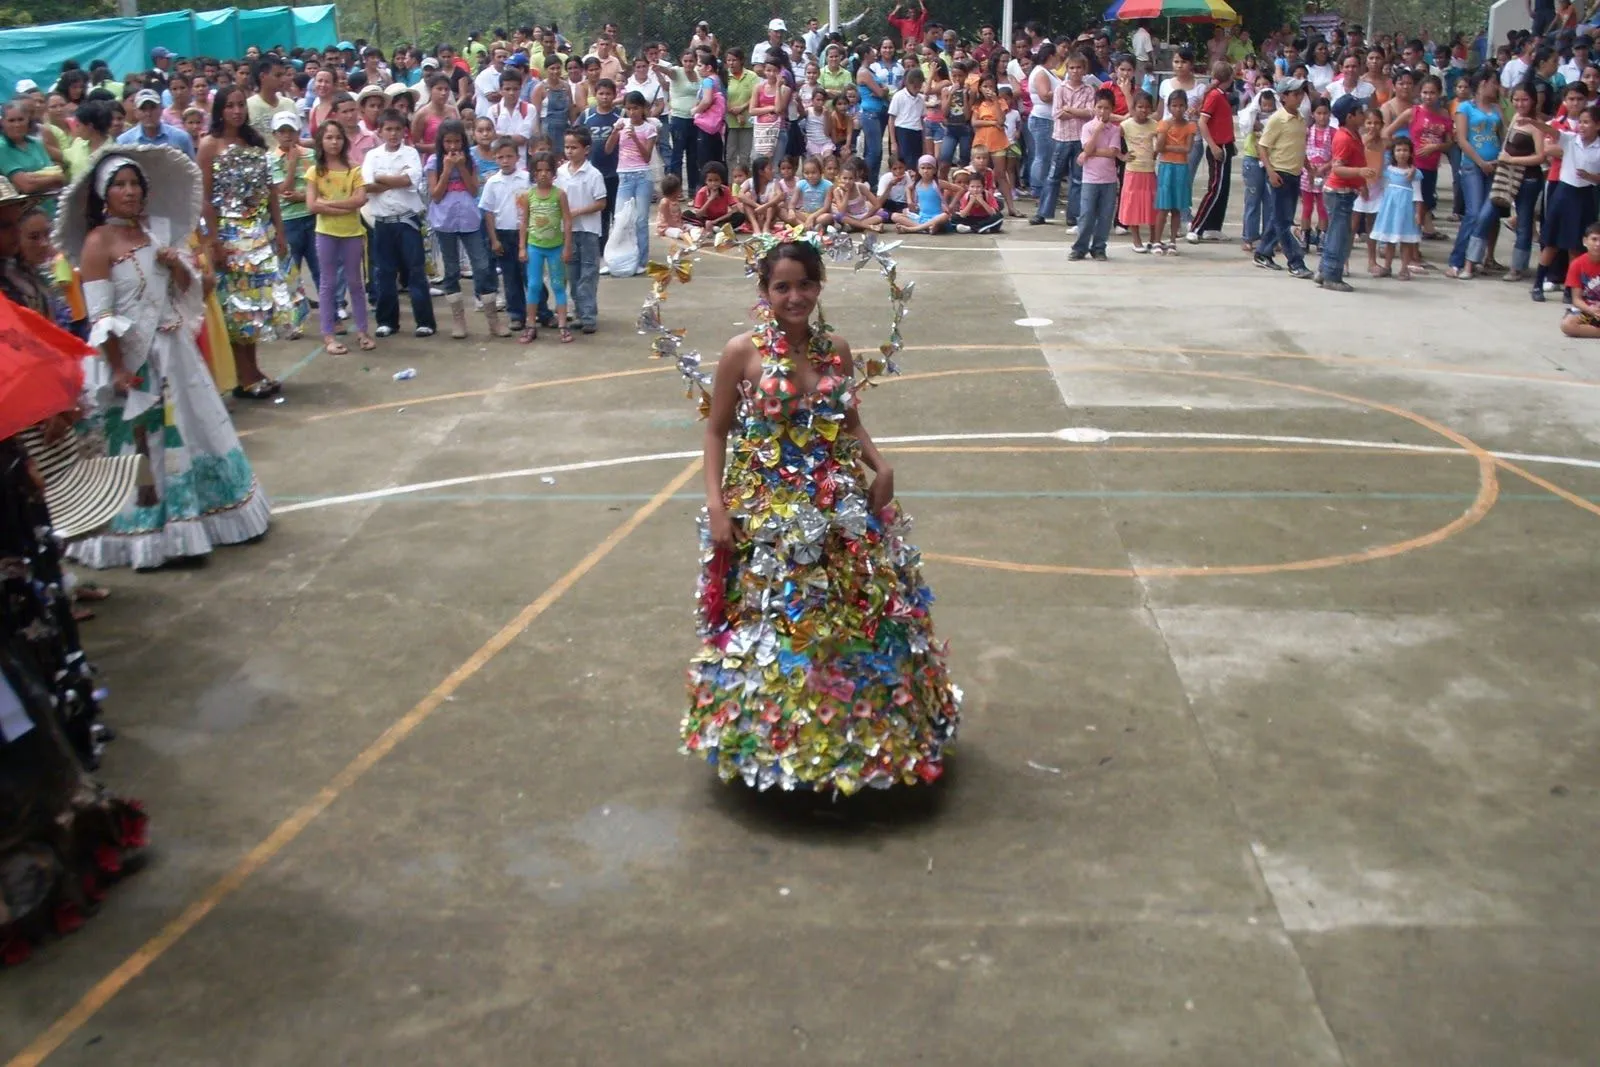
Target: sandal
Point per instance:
(334, 348)
(528, 335)
(1379, 272)
(1404, 275)
(89, 592)
(566, 336)
(82, 614)
(261, 389)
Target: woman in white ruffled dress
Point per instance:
(152, 393)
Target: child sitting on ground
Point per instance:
(926, 213)
(1583, 280)
(976, 209)
(714, 204)
(894, 189)
(854, 205)
(669, 212)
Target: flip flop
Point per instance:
(335, 348)
(367, 344)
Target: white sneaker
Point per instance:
(344, 312)
(500, 301)
(1211, 235)
(477, 303)
(1551, 287)
(434, 290)
(422, 331)
(604, 269)
(962, 227)
(1122, 231)
(1192, 237)
(1072, 231)
(384, 331)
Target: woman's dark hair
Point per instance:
(96, 114)
(434, 80)
(802, 252)
(322, 154)
(634, 99)
(1045, 54)
(100, 96)
(96, 211)
(247, 133)
(756, 184)
(72, 79)
(546, 158)
(448, 128)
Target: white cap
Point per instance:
(779, 25)
(429, 63)
(27, 85)
(371, 90)
(286, 118)
(146, 96)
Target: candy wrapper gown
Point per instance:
(252, 286)
(819, 668)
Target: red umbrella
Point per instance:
(40, 372)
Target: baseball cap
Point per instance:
(27, 85)
(147, 96)
(430, 63)
(346, 46)
(779, 25)
(160, 53)
(286, 118)
(1344, 107)
(1291, 85)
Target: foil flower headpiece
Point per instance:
(840, 247)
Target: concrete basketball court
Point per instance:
(1279, 742)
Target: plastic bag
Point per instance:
(622, 248)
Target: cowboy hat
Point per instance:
(82, 494)
(173, 207)
(398, 89)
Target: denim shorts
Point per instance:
(935, 131)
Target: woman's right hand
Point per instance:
(1487, 166)
(721, 525)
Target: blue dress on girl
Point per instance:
(1397, 217)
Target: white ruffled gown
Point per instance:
(206, 493)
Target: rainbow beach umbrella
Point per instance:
(1183, 10)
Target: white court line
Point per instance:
(651, 457)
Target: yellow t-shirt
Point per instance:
(1141, 140)
(1284, 139)
(337, 185)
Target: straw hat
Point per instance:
(399, 89)
(173, 208)
(82, 494)
(9, 194)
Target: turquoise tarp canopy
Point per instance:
(266, 28)
(172, 30)
(36, 52)
(316, 27)
(216, 33)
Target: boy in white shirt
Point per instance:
(511, 115)
(586, 199)
(906, 108)
(502, 192)
(392, 173)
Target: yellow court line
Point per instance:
(1549, 486)
(285, 832)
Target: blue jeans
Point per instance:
(683, 130)
(1043, 149)
(908, 146)
(513, 274)
(1275, 231)
(635, 185)
(1197, 151)
(301, 236)
(583, 275)
(1527, 198)
(1063, 167)
(1458, 200)
(872, 142)
(396, 244)
(1336, 244)
(1098, 205)
(451, 244)
(956, 148)
(1255, 200)
(1477, 220)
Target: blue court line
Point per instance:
(300, 366)
(978, 494)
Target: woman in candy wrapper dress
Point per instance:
(152, 393)
(247, 241)
(819, 668)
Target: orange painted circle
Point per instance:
(1488, 491)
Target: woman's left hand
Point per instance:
(881, 491)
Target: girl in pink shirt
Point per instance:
(1319, 161)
